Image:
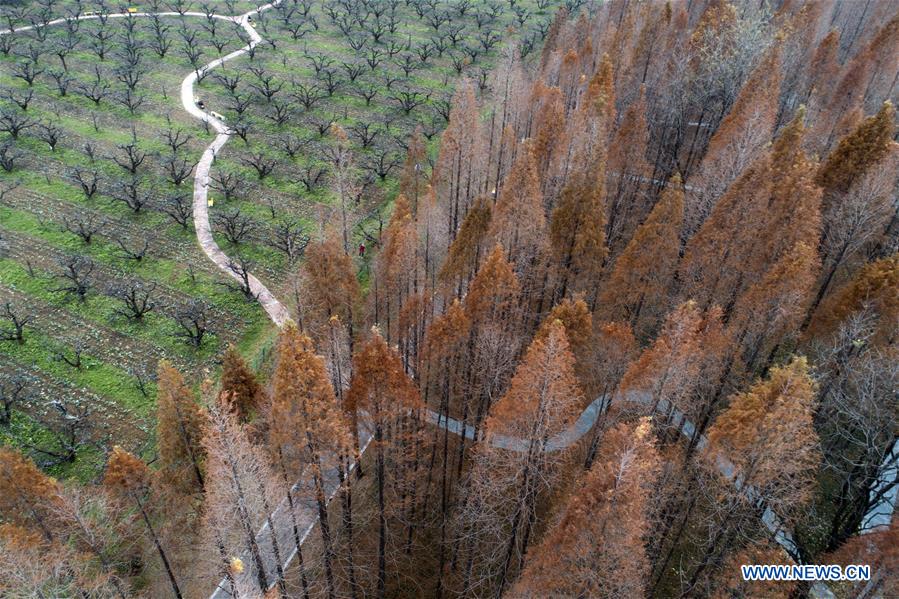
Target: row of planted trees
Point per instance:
(591, 238)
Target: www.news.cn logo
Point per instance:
(806, 572)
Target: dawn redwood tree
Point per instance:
(327, 288)
(179, 430)
(519, 221)
(665, 375)
(26, 493)
(767, 433)
(441, 377)
(130, 478)
(492, 307)
(738, 140)
(872, 288)
(856, 153)
(628, 174)
(413, 178)
(465, 251)
(460, 169)
(240, 387)
(504, 487)
(395, 268)
(381, 390)
(642, 275)
(239, 495)
(307, 428)
(596, 549)
(577, 230)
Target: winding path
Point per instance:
(305, 510)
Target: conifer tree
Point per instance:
(873, 289)
(856, 153)
(577, 231)
(413, 179)
(395, 268)
(519, 221)
(467, 248)
(239, 496)
(129, 477)
(381, 391)
(738, 141)
(628, 173)
(26, 493)
(179, 432)
(596, 549)
(767, 433)
(460, 169)
(239, 385)
(308, 427)
(492, 307)
(775, 305)
(500, 513)
(441, 375)
(329, 288)
(643, 273)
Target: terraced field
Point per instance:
(97, 248)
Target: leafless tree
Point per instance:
(192, 318)
(76, 277)
(18, 320)
(178, 169)
(136, 297)
(50, 134)
(236, 227)
(8, 156)
(288, 237)
(89, 181)
(14, 122)
(262, 164)
(130, 193)
(241, 268)
(75, 360)
(132, 156)
(21, 100)
(84, 225)
(179, 207)
(13, 392)
(136, 253)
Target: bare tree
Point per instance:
(262, 164)
(50, 134)
(132, 156)
(129, 192)
(14, 122)
(179, 207)
(136, 297)
(8, 156)
(76, 276)
(288, 237)
(84, 225)
(136, 253)
(192, 320)
(240, 267)
(13, 392)
(18, 322)
(89, 181)
(236, 227)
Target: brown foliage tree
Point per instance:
(179, 431)
(596, 549)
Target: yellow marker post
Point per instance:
(210, 202)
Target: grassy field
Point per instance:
(99, 176)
